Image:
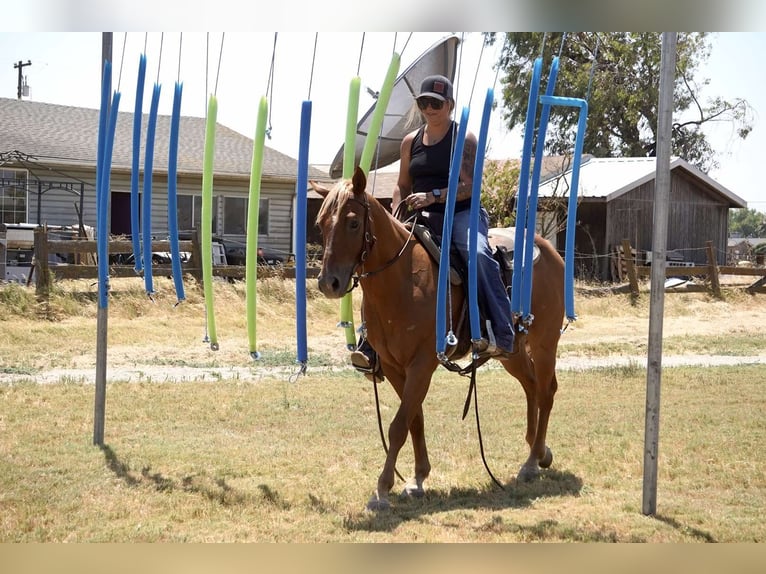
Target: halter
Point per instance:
(369, 242)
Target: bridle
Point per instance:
(369, 243)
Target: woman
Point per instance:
(426, 154)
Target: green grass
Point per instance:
(286, 457)
(280, 461)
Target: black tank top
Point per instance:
(429, 167)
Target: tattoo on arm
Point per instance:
(469, 159)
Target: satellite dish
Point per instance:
(441, 58)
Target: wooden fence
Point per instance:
(709, 274)
(85, 250)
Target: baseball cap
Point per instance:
(438, 87)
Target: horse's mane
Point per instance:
(335, 199)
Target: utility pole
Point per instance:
(20, 65)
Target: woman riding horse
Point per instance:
(362, 240)
(424, 169)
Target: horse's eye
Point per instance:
(353, 224)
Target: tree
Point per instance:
(618, 74)
(747, 222)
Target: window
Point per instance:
(13, 196)
(263, 217)
(235, 216)
(189, 212)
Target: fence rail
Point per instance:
(86, 250)
(710, 273)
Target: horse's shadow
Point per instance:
(514, 494)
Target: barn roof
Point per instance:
(609, 178)
(67, 135)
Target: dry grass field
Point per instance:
(210, 446)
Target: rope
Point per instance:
(593, 68)
(270, 83)
(313, 61)
(361, 49)
(159, 59)
(122, 59)
(180, 51)
(220, 57)
(476, 75)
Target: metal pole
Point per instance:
(657, 292)
(99, 409)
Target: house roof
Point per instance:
(609, 178)
(68, 136)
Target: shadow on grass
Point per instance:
(216, 490)
(695, 532)
(515, 495)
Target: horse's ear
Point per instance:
(320, 189)
(359, 180)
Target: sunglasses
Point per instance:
(426, 101)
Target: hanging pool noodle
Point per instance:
(207, 220)
(473, 228)
(175, 252)
(301, 186)
(365, 161)
(371, 141)
(349, 155)
(444, 264)
(572, 205)
(531, 223)
(253, 205)
(107, 124)
(146, 211)
(102, 251)
(134, 197)
(521, 199)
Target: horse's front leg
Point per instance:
(397, 434)
(414, 487)
(412, 392)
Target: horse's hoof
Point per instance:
(528, 473)
(412, 490)
(547, 460)
(377, 504)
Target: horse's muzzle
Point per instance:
(331, 285)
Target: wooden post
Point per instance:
(627, 254)
(659, 265)
(40, 263)
(3, 251)
(715, 284)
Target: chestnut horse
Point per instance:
(399, 280)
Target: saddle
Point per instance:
(501, 240)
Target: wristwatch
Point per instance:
(437, 193)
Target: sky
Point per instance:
(237, 66)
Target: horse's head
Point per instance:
(344, 220)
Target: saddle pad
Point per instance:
(506, 237)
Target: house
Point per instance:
(48, 174)
(616, 202)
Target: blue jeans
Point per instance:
(490, 286)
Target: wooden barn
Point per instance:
(616, 202)
(48, 174)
